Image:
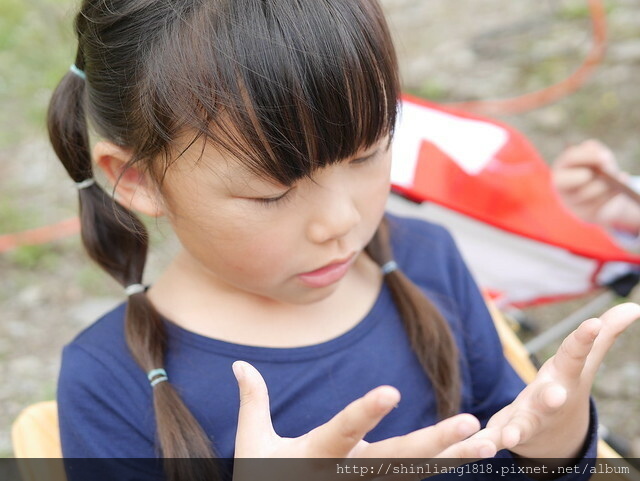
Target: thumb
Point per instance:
(255, 430)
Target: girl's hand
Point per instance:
(550, 417)
(587, 194)
(342, 436)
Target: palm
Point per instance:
(551, 414)
(341, 437)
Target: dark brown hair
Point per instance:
(286, 86)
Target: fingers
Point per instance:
(575, 177)
(621, 213)
(460, 446)
(440, 440)
(519, 421)
(614, 323)
(590, 153)
(571, 357)
(547, 398)
(519, 430)
(254, 418)
(619, 318)
(340, 435)
(595, 193)
(552, 397)
(569, 179)
(470, 449)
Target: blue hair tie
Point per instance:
(156, 376)
(77, 71)
(389, 267)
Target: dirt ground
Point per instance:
(449, 51)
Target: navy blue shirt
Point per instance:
(105, 400)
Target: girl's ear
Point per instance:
(134, 189)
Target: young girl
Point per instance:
(261, 130)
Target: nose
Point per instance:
(334, 216)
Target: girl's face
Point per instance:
(246, 233)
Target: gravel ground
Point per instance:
(449, 51)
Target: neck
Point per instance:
(200, 302)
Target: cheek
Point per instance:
(260, 256)
(375, 200)
(377, 187)
(249, 251)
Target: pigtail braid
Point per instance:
(430, 335)
(118, 241)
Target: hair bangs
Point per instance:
(285, 87)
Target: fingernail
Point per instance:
(238, 370)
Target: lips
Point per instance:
(330, 265)
(328, 274)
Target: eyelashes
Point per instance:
(273, 201)
(286, 197)
(368, 158)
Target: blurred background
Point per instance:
(449, 52)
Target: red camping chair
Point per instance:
(490, 187)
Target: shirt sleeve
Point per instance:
(107, 422)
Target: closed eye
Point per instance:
(370, 157)
(271, 201)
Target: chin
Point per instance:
(317, 295)
(306, 297)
